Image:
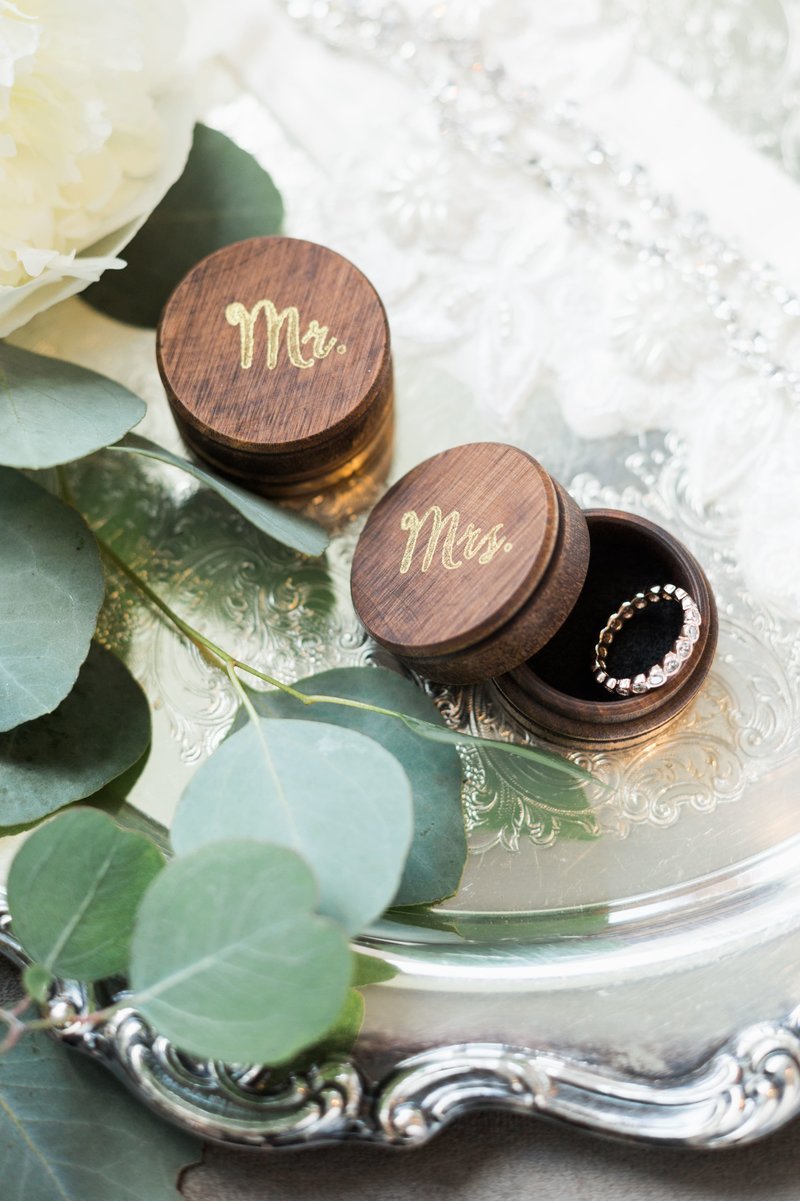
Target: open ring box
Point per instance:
(477, 564)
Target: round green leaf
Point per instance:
(70, 1132)
(337, 798)
(439, 846)
(52, 589)
(223, 196)
(371, 969)
(52, 412)
(97, 732)
(73, 891)
(292, 529)
(344, 1031)
(36, 980)
(228, 959)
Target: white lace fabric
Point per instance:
(486, 281)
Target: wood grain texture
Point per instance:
(470, 562)
(555, 692)
(359, 456)
(275, 355)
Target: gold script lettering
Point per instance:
(287, 320)
(471, 543)
(317, 334)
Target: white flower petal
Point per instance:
(19, 39)
(94, 128)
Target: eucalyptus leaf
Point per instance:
(501, 928)
(52, 589)
(371, 969)
(73, 891)
(553, 801)
(335, 797)
(439, 847)
(230, 962)
(518, 750)
(112, 796)
(70, 1132)
(438, 732)
(292, 529)
(98, 732)
(505, 928)
(36, 981)
(52, 412)
(345, 1030)
(223, 196)
(130, 818)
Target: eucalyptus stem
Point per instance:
(15, 1027)
(228, 663)
(224, 660)
(199, 640)
(242, 693)
(64, 485)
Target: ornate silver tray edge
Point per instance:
(749, 1088)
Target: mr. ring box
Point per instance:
(477, 564)
(275, 355)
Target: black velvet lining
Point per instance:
(623, 560)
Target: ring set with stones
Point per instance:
(675, 658)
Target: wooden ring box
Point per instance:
(275, 356)
(477, 564)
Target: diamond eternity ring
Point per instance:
(674, 659)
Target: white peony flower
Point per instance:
(93, 131)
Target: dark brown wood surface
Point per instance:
(469, 562)
(555, 691)
(416, 585)
(275, 355)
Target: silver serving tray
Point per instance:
(626, 964)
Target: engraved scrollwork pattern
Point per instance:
(269, 605)
(293, 616)
(742, 724)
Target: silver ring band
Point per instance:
(674, 659)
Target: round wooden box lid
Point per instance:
(275, 355)
(470, 562)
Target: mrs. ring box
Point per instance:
(595, 626)
(276, 359)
